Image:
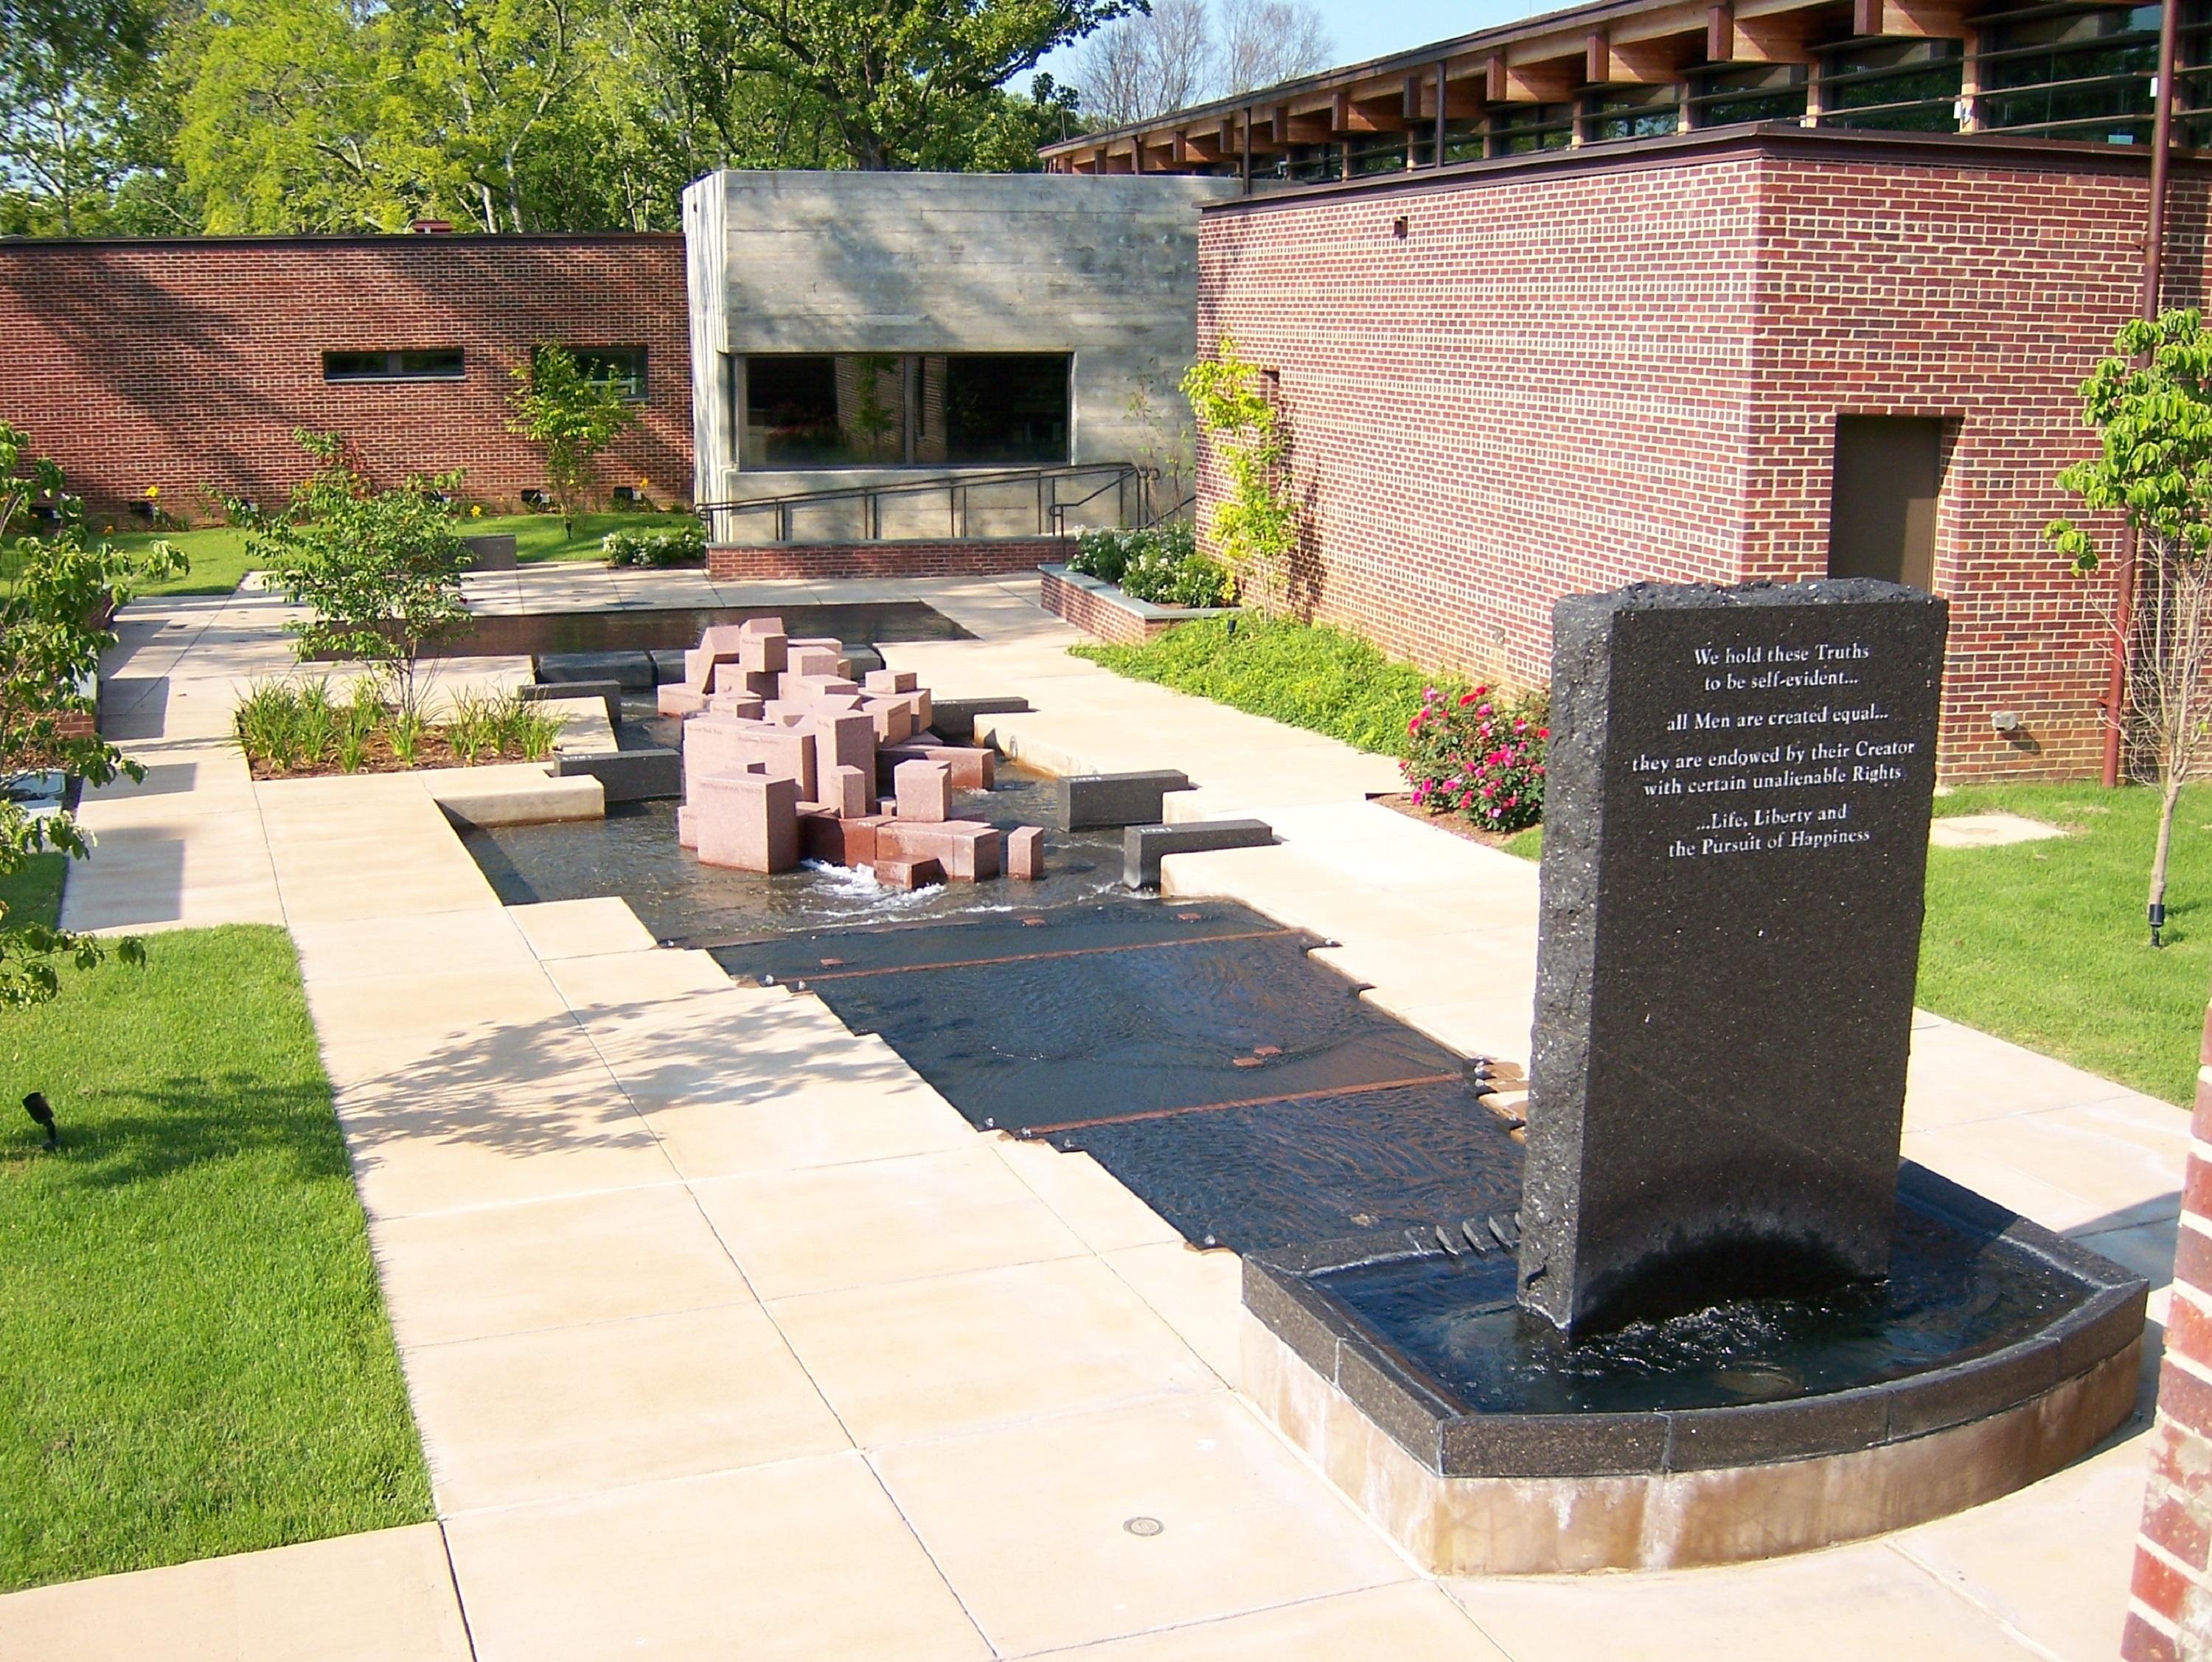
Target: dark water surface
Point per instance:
(1952, 1295)
(635, 629)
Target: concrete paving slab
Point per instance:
(1411, 1622)
(378, 1597)
(1244, 1525)
(1991, 831)
(819, 1228)
(805, 1561)
(574, 1411)
(951, 1354)
(486, 1272)
(1200, 1294)
(1088, 1198)
(708, 1132)
(579, 929)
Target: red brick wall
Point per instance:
(2170, 1612)
(1566, 380)
(727, 562)
(187, 364)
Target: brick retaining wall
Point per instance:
(727, 562)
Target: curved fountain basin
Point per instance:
(1998, 1353)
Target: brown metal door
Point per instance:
(1882, 520)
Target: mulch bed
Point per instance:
(1455, 822)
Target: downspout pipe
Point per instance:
(2161, 152)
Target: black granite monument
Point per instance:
(1736, 842)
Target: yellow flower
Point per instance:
(644, 484)
(107, 531)
(476, 510)
(152, 491)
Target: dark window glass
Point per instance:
(425, 363)
(1310, 164)
(1377, 153)
(621, 367)
(1908, 86)
(1748, 92)
(2084, 73)
(1009, 409)
(1521, 129)
(1630, 112)
(848, 410)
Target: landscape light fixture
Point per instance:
(35, 1105)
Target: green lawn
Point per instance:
(34, 893)
(219, 556)
(194, 1356)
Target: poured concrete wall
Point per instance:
(1105, 269)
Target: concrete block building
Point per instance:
(918, 371)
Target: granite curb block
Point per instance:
(1143, 847)
(628, 776)
(1100, 608)
(1102, 801)
(1452, 1442)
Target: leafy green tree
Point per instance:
(571, 417)
(73, 74)
(58, 593)
(379, 571)
(894, 77)
(2151, 403)
(1256, 528)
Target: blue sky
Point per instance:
(1371, 28)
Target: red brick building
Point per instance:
(187, 363)
(1565, 371)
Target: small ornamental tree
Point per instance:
(379, 570)
(2151, 403)
(1256, 526)
(571, 417)
(57, 595)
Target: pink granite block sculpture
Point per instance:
(842, 739)
(1026, 853)
(893, 680)
(847, 795)
(894, 720)
(973, 768)
(815, 661)
(924, 791)
(762, 654)
(745, 706)
(725, 743)
(968, 850)
(908, 873)
(747, 820)
(677, 699)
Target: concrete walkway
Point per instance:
(727, 1336)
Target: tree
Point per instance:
(379, 570)
(1184, 52)
(58, 594)
(2151, 403)
(893, 77)
(72, 76)
(571, 417)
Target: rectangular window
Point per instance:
(621, 367)
(1748, 92)
(883, 410)
(1520, 128)
(2074, 74)
(424, 364)
(1906, 86)
(1630, 112)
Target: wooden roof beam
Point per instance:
(1777, 38)
(1382, 114)
(1607, 62)
(1547, 81)
(1923, 20)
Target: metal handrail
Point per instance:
(1051, 515)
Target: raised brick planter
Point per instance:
(1099, 608)
(965, 557)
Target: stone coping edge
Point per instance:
(1142, 610)
(1450, 1441)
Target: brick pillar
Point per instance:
(2170, 1606)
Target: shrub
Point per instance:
(1159, 564)
(674, 545)
(1480, 754)
(1309, 677)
